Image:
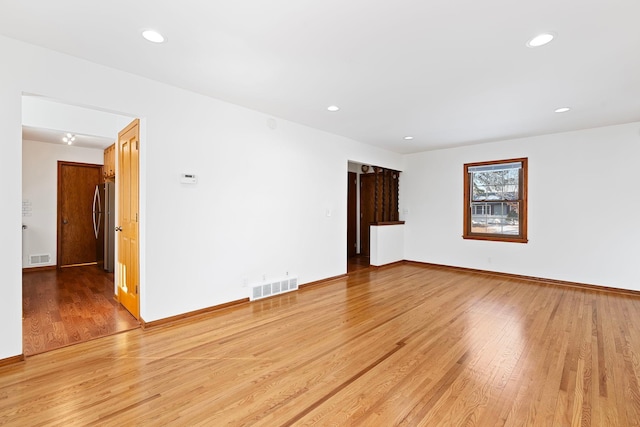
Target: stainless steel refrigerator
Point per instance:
(104, 202)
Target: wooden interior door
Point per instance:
(127, 179)
(367, 210)
(76, 237)
(352, 214)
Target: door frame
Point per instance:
(122, 114)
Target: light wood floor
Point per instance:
(401, 346)
(68, 306)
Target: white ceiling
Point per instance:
(448, 72)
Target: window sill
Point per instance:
(494, 238)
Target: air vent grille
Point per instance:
(39, 259)
(265, 290)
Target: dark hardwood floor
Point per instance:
(68, 306)
(357, 262)
(404, 345)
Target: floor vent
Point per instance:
(39, 259)
(265, 290)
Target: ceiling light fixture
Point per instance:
(408, 138)
(69, 138)
(540, 40)
(333, 108)
(153, 36)
(562, 110)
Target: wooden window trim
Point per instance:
(467, 234)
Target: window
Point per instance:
(495, 200)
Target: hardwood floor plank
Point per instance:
(406, 345)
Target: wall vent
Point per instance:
(39, 259)
(265, 290)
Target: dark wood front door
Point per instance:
(76, 237)
(352, 214)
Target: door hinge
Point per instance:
(137, 146)
(136, 289)
(136, 216)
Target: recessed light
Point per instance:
(153, 36)
(562, 110)
(540, 40)
(333, 108)
(408, 138)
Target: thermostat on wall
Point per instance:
(188, 178)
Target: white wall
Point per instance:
(259, 208)
(583, 207)
(39, 187)
(10, 216)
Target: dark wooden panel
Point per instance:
(378, 202)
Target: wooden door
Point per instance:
(367, 210)
(127, 178)
(352, 214)
(76, 237)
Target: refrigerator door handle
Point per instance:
(96, 198)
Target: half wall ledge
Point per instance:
(386, 242)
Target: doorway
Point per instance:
(352, 214)
(355, 260)
(372, 199)
(72, 304)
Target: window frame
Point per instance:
(522, 200)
